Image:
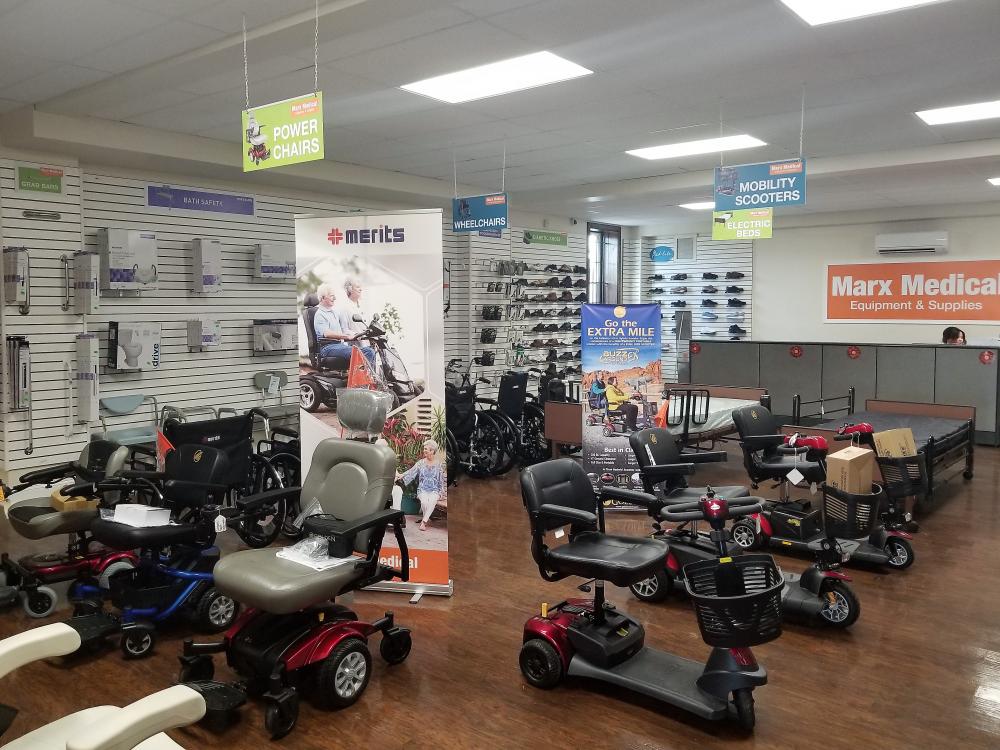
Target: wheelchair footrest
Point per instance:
(95, 627)
(8, 595)
(221, 703)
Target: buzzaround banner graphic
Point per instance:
(622, 383)
(370, 316)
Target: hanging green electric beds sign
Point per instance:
(283, 133)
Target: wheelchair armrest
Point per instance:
(47, 475)
(145, 450)
(570, 515)
(660, 472)
(289, 433)
(762, 442)
(57, 639)
(152, 476)
(792, 450)
(184, 485)
(83, 489)
(177, 706)
(255, 502)
(705, 457)
(333, 527)
(650, 502)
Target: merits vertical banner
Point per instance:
(622, 384)
(379, 275)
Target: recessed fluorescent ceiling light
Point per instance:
(494, 79)
(961, 113)
(994, 181)
(691, 148)
(703, 206)
(819, 12)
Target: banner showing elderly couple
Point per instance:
(370, 317)
(621, 386)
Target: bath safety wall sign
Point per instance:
(766, 185)
(943, 292)
(283, 133)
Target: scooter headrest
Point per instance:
(362, 410)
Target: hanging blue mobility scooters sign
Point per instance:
(771, 184)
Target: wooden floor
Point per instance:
(920, 669)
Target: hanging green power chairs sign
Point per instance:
(283, 133)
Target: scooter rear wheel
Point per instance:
(900, 553)
(745, 715)
(540, 664)
(656, 588)
(842, 607)
(344, 674)
(746, 536)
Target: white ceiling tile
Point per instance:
(65, 31)
(166, 40)
(52, 83)
(224, 72)
(134, 106)
(485, 8)
(6, 105)
(227, 15)
(6, 5)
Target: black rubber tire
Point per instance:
(118, 566)
(40, 602)
(327, 695)
(311, 400)
(540, 664)
(279, 722)
(215, 612)
(453, 453)
(756, 537)
(396, 647)
(489, 453)
(263, 477)
(137, 644)
(534, 446)
(903, 544)
(202, 669)
(745, 715)
(509, 432)
(661, 583)
(967, 474)
(840, 588)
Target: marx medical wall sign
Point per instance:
(479, 212)
(940, 292)
(283, 133)
(767, 185)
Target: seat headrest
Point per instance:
(654, 446)
(362, 410)
(754, 420)
(311, 300)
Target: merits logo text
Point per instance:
(380, 235)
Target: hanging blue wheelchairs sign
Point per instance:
(767, 185)
(661, 254)
(479, 212)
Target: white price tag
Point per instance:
(794, 476)
(813, 488)
(273, 385)
(560, 533)
(220, 523)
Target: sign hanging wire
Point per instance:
(802, 121)
(722, 154)
(246, 69)
(503, 169)
(454, 169)
(316, 53)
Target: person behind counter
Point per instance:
(953, 335)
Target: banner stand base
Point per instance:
(417, 589)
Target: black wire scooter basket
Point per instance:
(738, 602)
(850, 516)
(904, 477)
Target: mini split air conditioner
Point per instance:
(910, 243)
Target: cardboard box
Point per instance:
(851, 470)
(896, 443)
(133, 514)
(133, 346)
(65, 504)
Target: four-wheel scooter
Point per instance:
(737, 599)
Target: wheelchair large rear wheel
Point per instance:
(263, 527)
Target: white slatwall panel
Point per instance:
(214, 377)
(456, 322)
(50, 331)
(710, 257)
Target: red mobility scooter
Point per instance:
(293, 634)
(28, 577)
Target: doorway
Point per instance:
(604, 242)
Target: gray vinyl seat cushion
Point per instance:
(259, 578)
(38, 522)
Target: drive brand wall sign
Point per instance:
(479, 212)
(32, 179)
(770, 184)
(544, 237)
(942, 292)
(283, 133)
(748, 224)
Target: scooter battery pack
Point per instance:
(608, 643)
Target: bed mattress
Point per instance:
(720, 416)
(924, 428)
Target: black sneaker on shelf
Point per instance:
(566, 296)
(679, 290)
(552, 327)
(679, 277)
(576, 327)
(736, 329)
(565, 356)
(552, 356)
(554, 281)
(537, 344)
(579, 269)
(655, 277)
(566, 282)
(734, 290)
(737, 303)
(551, 267)
(576, 340)
(580, 283)
(678, 303)
(709, 303)
(655, 290)
(709, 290)
(567, 326)
(539, 328)
(565, 268)
(709, 276)
(581, 297)
(735, 338)
(565, 311)
(734, 275)
(553, 342)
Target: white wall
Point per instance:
(790, 278)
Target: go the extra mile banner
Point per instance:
(621, 386)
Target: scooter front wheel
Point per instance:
(841, 606)
(900, 553)
(745, 715)
(656, 588)
(746, 536)
(540, 664)
(41, 602)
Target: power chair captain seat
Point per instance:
(663, 466)
(765, 455)
(292, 627)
